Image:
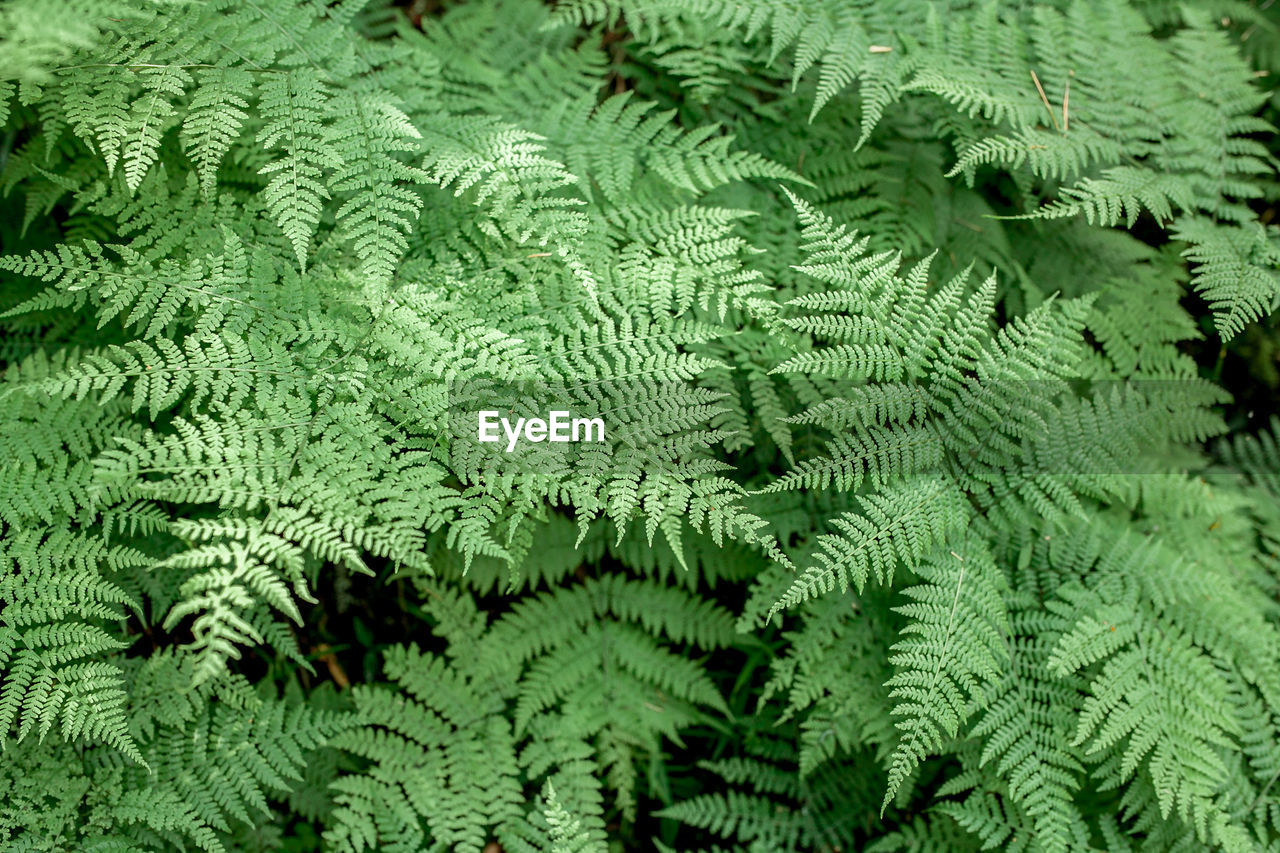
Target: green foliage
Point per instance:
(574, 687)
(910, 326)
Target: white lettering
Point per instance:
(512, 434)
(587, 424)
(485, 430)
(560, 428)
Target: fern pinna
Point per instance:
(934, 502)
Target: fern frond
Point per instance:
(292, 106)
(1238, 270)
(952, 651)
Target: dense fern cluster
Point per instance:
(926, 516)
